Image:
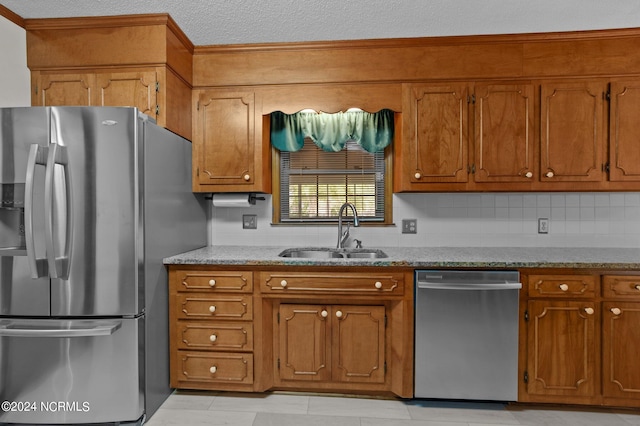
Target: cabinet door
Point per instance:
(63, 90)
(504, 133)
(136, 89)
(304, 343)
(572, 140)
(437, 136)
(562, 348)
(225, 140)
(358, 344)
(621, 345)
(624, 137)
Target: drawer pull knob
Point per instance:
(339, 314)
(247, 177)
(378, 284)
(549, 174)
(589, 311)
(324, 313)
(417, 175)
(283, 283)
(212, 283)
(637, 287)
(213, 369)
(212, 308)
(564, 287)
(528, 175)
(213, 337)
(616, 311)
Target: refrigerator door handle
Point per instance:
(58, 266)
(35, 328)
(37, 155)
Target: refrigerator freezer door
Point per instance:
(71, 371)
(96, 204)
(22, 131)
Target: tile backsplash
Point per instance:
(460, 219)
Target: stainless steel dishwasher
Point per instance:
(466, 334)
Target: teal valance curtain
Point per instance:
(373, 131)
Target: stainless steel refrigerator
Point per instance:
(93, 198)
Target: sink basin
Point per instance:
(333, 253)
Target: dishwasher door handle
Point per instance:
(469, 286)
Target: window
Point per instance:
(315, 183)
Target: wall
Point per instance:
(479, 220)
(14, 74)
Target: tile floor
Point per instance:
(288, 409)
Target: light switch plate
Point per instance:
(249, 221)
(409, 226)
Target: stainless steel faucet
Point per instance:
(342, 236)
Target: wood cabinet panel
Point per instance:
(201, 306)
(314, 282)
(562, 342)
(504, 133)
(621, 287)
(624, 136)
(228, 368)
(216, 281)
(137, 89)
(562, 285)
(223, 336)
(620, 348)
(572, 131)
(63, 89)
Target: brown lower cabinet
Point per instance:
(297, 328)
(582, 338)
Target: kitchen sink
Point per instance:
(333, 253)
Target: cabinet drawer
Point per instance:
(290, 282)
(220, 307)
(223, 336)
(621, 286)
(218, 281)
(215, 367)
(562, 285)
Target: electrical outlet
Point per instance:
(409, 226)
(543, 225)
(249, 221)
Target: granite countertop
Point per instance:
(426, 257)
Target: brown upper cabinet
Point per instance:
(463, 136)
(624, 135)
(229, 155)
(82, 62)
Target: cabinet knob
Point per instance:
(418, 175)
(213, 337)
(212, 283)
(324, 313)
(637, 287)
(213, 369)
(616, 311)
(564, 287)
(378, 284)
(283, 283)
(589, 311)
(549, 174)
(528, 175)
(212, 308)
(339, 314)
(247, 177)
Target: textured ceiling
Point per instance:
(210, 22)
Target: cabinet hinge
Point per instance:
(198, 106)
(526, 377)
(526, 316)
(606, 167)
(607, 95)
(471, 99)
(157, 86)
(385, 367)
(385, 320)
(471, 169)
(157, 109)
